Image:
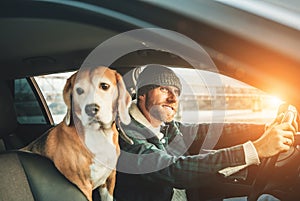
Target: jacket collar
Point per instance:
(139, 117)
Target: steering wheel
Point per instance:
(264, 172)
(267, 165)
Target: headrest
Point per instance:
(8, 117)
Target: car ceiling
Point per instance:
(39, 37)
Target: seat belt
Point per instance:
(14, 185)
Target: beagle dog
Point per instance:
(84, 146)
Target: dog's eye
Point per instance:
(79, 91)
(104, 86)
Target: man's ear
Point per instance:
(142, 98)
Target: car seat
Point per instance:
(27, 176)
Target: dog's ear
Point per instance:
(124, 100)
(67, 95)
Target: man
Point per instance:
(158, 161)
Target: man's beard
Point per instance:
(160, 113)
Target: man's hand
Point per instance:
(278, 137)
(282, 109)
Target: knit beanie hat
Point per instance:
(155, 75)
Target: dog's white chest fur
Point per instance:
(99, 173)
(105, 155)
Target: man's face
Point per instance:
(162, 103)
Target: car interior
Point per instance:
(45, 37)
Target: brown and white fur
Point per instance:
(84, 146)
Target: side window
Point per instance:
(51, 87)
(26, 104)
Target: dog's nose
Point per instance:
(92, 109)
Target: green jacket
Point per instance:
(150, 168)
